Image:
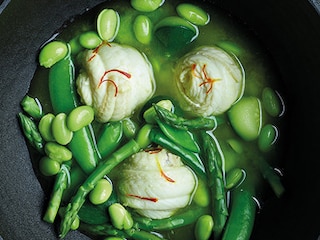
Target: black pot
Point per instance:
(289, 30)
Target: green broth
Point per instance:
(221, 31)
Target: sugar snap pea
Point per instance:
(215, 182)
(63, 100)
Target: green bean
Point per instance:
(32, 106)
(216, 182)
(203, 228)
(48, 166)
(189, 158)
(142, 28)
(193, 13)
(45, 129)
(31, 132)
(176, 221)
(64, 99)
(52, 53)
(110, 138)
(60, 184)
(104, 168)
(101, 192)
(206, 123)
(180, 137)
(242, 215)
(80, 117)
(61, 133)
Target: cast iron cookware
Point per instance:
(289, 30)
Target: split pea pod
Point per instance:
(64, 99)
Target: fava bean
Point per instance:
(108, 24)
(76, 223)
(48, 166)
(271, 102)
(101, 192)
(267, 137)
(89, 40)
(142, 28)
(45, 127)
(203, 228)
(202, 195)
(129, 128)
(113, 238)
(235, 177)
(61, 133)
(146, 5)
(120, 217)
(52, 53)
(193, 14)
(57, 152)
(80, 117)
(75, 45)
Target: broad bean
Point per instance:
(48, 166)
(120, 217)
(204, 227)
(45, 128)
(76, 223)
(89, 40)
(80, 117)
(146, 5)
(129, 128)
(271, 102)
(61, 133)
(267, 137)
(234, 178)
(57, 152)
(193, 14)
(202, 195)
(142, 28)
(52, 53)
(108, 23)
(101, 192)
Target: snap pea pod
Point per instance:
(110, 138)
(178, 220)
(205, 123)
(105, 166)
(60, 184)
(64, 99)
(215, 183)
(31, 132)
(189, 158)
(242, 215)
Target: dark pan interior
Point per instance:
(290, 31)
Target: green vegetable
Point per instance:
(110, 138)
(104, 168)
(80, 117)
(48, 166)
(189, 158)
(146, 5)
(64, 99)
(76, 223)
(246, 118)
(234, 178)
(271, 102)
(129, 128)
(108, 24)
(241, 220)
(60, 184)
(89, 40)
(206, 123)
(32, 106)
(150, 115)
(216, 182)
(180, 137)
(178, 220)
(203, 228)
(201, 196)
(193, 14)
(45, 127)
(120, 217)
(142, 28)
(57, 152)
(52, 53)
(61, 133)
(101, 192)
(267, 137)
(31, 132)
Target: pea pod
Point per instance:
(64, 99)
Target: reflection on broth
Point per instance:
(159, 120)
